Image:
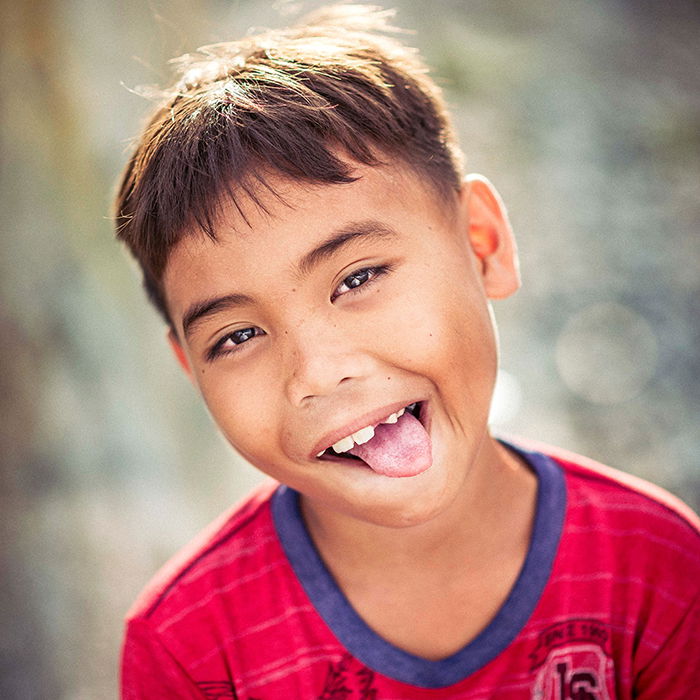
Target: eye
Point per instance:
(230, 342)
(358, 279)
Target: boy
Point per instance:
(299, 212)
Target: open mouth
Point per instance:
(364, 435)
(398, 445)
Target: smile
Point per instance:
(363, 435)
(397, 445)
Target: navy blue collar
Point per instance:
(378, 654)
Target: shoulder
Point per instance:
(601, 491)
(624, 498)
(240, 539)
(624, 524)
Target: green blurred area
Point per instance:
(586, 116)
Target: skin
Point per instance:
(326, 358)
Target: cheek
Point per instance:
(239, 405)
(444, 322)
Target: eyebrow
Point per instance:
(365, 230)
(200, 310)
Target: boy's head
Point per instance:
(301, 220)
(298, 103)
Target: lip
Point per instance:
(370, 418)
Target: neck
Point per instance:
(492, 512)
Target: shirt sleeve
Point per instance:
(149, 670)
(674, 671)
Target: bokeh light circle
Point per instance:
(606, 353)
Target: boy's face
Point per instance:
(333, 310)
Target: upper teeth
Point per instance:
(361, 436)
(347, 443)
(394, 416)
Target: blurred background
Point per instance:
(586, 116)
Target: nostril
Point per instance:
(322, 392)
(316, 368)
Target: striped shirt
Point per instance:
(606, 606)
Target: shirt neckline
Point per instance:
(385, 658)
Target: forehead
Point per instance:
(287, 220)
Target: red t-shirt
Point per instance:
(606, 606)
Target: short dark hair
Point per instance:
(301, 102)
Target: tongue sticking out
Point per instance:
(397, 449)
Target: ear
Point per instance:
(179, 352)
(491, 237)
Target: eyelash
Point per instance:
(373, 273)
(217, 350)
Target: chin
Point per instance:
(406, 502)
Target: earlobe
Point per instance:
(491, 237)
(179, 352)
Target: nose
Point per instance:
(319, 359)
